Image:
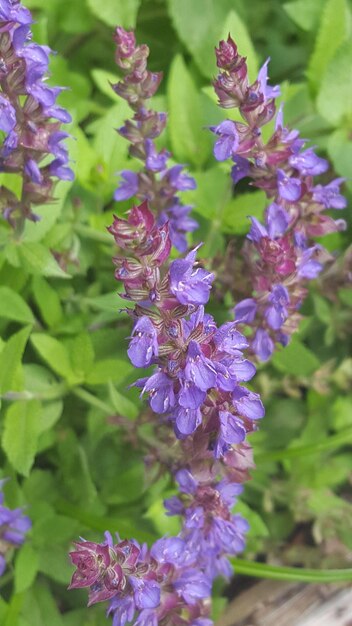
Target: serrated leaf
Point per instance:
(20, 436)
(13, 307)
(10, 358)
(296, 359)
(116, 12)
(334, 100)
(37, 259)
(335, 28)
(190, 142)
(55, 354)
(48, 301)
(26, 568)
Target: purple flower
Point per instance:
(247, 403)
(289, 188)
(189, 397)
(155, 161)
(190, 285)
(13, 527)
(199, 369)
(144, 344)
(308, 163)
(33, 172)
(329, 195)
(7, 115)
(147, 617)
(122, 609)
(128, 188)
(257, 230)
(187, 420)
(228, 142)
(186, 481)
(179, 180)
(268, 92)
(277, 220)
(169, 550)
(245, 311)
(161, 389)
(240, 169)
(231, 431)
(146, 592)
(193, 585)
(309, 267)
(276, 313)
(262, 345)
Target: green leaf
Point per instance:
(211, 195)
(296, 359)
(122, 405)
(200, 25)
(37, 259)
(10, 358)
(236, 212)
(116, 12)
(103, 81)
(20, 436)
(339, 148)
(26, 568)
(13, 307)
(82, 355)
(55, 354)
(305, 13)
(296, 451)
(190, 142)
(335, 28)
(262, 570)
(334, 101)
(48, 301)
(108, 370)
(40, 605)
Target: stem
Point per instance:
(263, 570)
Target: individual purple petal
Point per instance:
(309, 267)
(289, 188)
(193, 585)
(308, 163)
(32, 170)
(179, 180)
(268, 92)
(7, 115)
(186, 481)
(146, 592)
(245, 311)
(240, 169)
(199, 369)
(169, 550)
(155, 161)
(248, 404)
(262, 345)
(190, 285)
(190, 397)
(257, 230)
(231, 431)
(329, 195)
(144, 344)
(128, 187)
(277, 220)
(162, 396)
(147, 617)
(186, 420)
(228, 142)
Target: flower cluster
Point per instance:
(281, 255)
(30, 119)
(199, 367)
(196, 385)
(156, 584)
(156, 182)
(13, 527)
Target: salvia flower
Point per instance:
(13, 527)
(281, 254)
(145, 586)
(156, 181)
(30, 119)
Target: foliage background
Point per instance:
(64, 370)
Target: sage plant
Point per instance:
(30, 119)
(281, 255)
(155, 181)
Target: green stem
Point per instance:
(93, 400)
(262, 570)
